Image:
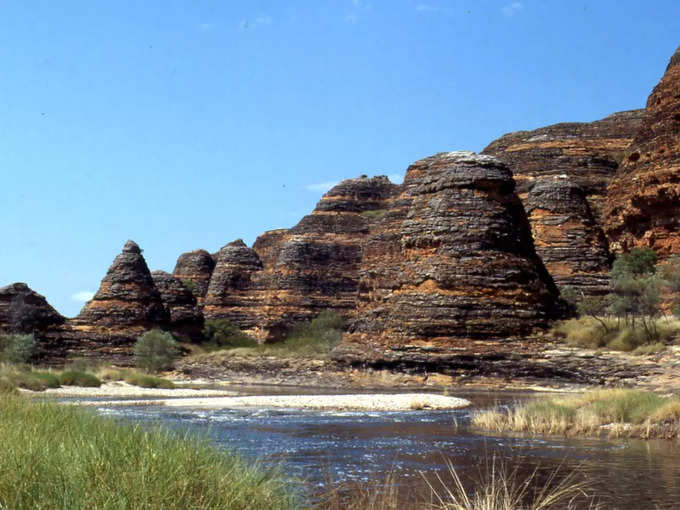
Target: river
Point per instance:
(362, 446)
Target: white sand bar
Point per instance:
(119, 389)
(363, 402)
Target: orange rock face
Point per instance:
(643, 200)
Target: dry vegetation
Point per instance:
(616, 412)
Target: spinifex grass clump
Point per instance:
(134, 377)
(618, 412)
(27, 378)
(56, 456)
(79, 378)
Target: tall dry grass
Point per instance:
(617, 412)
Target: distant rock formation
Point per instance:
(194, 269)
(643, 200)
(127, 296)
(231, 293)
(586, 153)
(185, 317)
(23, 310)
(314, 266)
(452, 260)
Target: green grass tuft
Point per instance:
(78, 378)
(57, 456)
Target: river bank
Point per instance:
(549, 367)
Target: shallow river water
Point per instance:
(360, 446)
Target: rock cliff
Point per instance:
(588, 154)
(644, 198)
(562, 173)
(23, 310)
(185, 317)
(194, 269)
(451, 261)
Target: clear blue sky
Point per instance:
(187, 124)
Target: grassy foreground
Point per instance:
(56, 456)
(617, 412)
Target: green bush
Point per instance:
(79, 378)
(191, 285)
(222, 333)
(156, 350)
(16, 348)
(318, 336)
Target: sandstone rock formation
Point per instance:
(588, 154)
(562, 172)
(566, 236)
(186, 319)
(268, 244)
(23, 310)
(452, 261)
(127, 296)
(194, 269)
(644, 198)
(231, 293)
(314, 266)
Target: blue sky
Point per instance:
(188, 124)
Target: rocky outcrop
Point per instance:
(232, 294)
(562, 173)
(644, 198)
(588, 154)
(185, 317)
(268, 244)
(127, 296)
(23, 310)
(566, 236)
(451, 261)
(194, 269)
(314, 266)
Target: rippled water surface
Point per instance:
(360, 446)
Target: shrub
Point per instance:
(222, 333)
(148, 381)
(156, 350)
(191, 285)
(318, 336)
(16, 348)
(79, 378)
